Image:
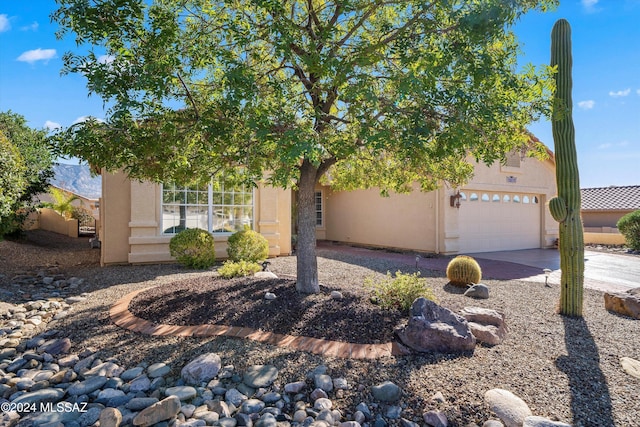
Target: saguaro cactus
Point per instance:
(565, 208)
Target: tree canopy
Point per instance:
(26, 167)
(12, 181)
(380, 93)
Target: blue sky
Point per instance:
(606, 75)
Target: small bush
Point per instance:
(398, 293)
(247, 245)
(82, 215)
(193, 248)
(232, 269)
(464, 270)
(629, 227)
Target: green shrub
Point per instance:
(629, 226)
(193, 248)
(464, 270)
(247, 245)
(398, 293)
(232, 269)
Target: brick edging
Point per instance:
(121, 316)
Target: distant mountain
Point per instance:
(77, 179)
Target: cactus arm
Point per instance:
(566, 207)
(558, 209)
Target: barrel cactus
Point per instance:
(565, 208)
(464, 270)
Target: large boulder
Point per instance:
(432, 328)
(625, 303)
(486, 325)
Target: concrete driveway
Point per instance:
(603, 271)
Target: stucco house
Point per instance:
(503, 207)
(601, 209)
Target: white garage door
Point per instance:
(498, 221)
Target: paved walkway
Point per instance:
(603, 272)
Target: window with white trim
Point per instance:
(217, 208)
(319, 211)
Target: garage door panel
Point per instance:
(496, 226)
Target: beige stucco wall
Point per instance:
(364, 217)
(603, 238)
(115, 209)
(602, 218)
(426, 221)
(131, 224)
(51, 220)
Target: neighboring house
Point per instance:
(50, 220)
(88, 203)
(503, 207)
(602, 207)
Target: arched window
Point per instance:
(496, 198)
(516, 199)
(535, 200)
(473, 197)
(485, 197)
(506, 198)
(525, 199)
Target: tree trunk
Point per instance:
(306, 247)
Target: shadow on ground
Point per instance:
(586, 380)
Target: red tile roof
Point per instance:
(611, 198)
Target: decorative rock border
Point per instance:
(121, 316)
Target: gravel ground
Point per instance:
(241, 302)
(564, 368)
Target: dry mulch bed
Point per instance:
(241, 302)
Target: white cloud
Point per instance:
(32, 56)
(52, 125)
(587, 105)
(85, 118)
(620, 93)
(106, 59)
(5, 25)
(609, 145)
(589, 5)
(638, 91)
(32, 27)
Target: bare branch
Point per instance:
(193, 102)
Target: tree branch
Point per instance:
(193, 102)
(353, 29)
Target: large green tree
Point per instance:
(377, 93)
(27, 168)
(12, 182)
